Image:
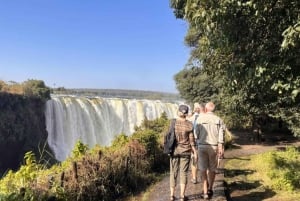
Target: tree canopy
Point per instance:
(251, 47)
(36, 88)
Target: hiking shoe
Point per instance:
(204, 196)
(210, 193)
(194, 181)
(184, 198)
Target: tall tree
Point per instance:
(253, 47)
(194, 85)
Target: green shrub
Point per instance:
(120, 141)
(79, 149)
(101, 173)
(281, 168)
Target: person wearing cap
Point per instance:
(180, 160)
(210, 134)
(199, 109)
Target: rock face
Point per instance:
(22, 129)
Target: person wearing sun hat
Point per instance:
(180, 160)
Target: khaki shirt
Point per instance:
(210, 129)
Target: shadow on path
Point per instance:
(249, 191)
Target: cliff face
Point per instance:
(22, 129)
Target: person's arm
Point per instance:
(220, 150)
(193, 144)
(197, 130)
(221, 139)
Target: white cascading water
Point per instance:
(96, 120)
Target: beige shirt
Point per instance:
(210, 129)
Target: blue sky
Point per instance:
(120, 44)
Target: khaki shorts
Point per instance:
(208, 157)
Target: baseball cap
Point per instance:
(184, 109)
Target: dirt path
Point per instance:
(243, 146)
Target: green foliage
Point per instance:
(79, 149)
(36, 88)
(228, 139)
(102, 173)
(14, 186)
(150, 134)
(281, 167)
(30, 88)
(275, 171)
(291, 37)
(119, 141)
(157, 125)
(252, 48)
(195, 85)
(149, 139)
(11, 197)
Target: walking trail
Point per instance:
(244, 146)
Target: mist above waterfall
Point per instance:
(96, 120)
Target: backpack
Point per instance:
(170, 139)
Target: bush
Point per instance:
(101, 173)
(282, 168)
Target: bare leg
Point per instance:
(172, 190)
(204, 180)
(182, 190)
(194, 172)
(211, 179)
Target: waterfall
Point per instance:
(96, 120)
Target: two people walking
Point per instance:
(202, 137)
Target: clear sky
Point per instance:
(121, 44)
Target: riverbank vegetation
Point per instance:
(101, 173)
(30, 88)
